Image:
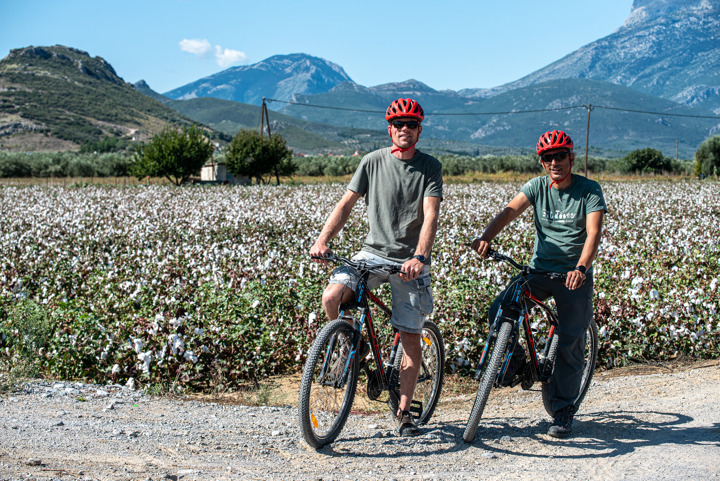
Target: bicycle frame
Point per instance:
(520, 306)
(362, 305)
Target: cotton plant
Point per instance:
(224, 273)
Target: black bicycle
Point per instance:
(520, 310)
(330, 376)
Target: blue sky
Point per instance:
(447, 45)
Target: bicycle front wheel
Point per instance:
(431, 375)
(496, 353)
(328, 384)
(591, 353)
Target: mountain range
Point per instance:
(655, 82)
(667, 48)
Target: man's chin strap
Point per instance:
(396, 148)
(561, 180)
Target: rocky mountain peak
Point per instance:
(279, 77)
(30, 58)
(646, 10)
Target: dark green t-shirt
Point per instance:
(394, 190)
(560, 220)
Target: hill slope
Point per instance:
(58, 98)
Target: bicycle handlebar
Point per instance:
(523, 268)
(361, 265)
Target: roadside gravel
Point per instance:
(661, 426)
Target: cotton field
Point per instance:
(208, 286)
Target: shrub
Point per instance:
(173, 155)
(707, 157)
(645, 161)
(253, 155)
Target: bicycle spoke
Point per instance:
(328, 385)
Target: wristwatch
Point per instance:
(581, 269)
(420, 257)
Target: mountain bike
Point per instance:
(520, 310)
(330, 375)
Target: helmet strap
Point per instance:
(561, 180)
(397, 148)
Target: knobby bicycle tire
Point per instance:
(323, 407)
(498, 347)
(591, 353)
(431, 376)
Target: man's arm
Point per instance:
(593, 226)
(516, 207)
(334, 223)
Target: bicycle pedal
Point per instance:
(416, 408)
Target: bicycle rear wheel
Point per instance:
(431, 375)
(591, 353)
(328, 384)
(496, 353)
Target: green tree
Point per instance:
(259, 157)
(707, 157)
(646, 160)
(173, 154)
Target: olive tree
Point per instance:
(253, 155)
(173, 154)
(707, 157)
(646, 161)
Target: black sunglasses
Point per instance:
(556, 156)
(411, 124)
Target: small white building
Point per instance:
(217, 172)
(214, 172)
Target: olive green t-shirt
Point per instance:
(394, 190)
(560, 220)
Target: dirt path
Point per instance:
(663, 425)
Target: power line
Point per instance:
(510, 111)
(664, 114)
(668, 114)
(326, 106)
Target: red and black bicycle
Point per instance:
(330, 376)
(521, 311)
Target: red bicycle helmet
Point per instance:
(554, 139)
(404, 108)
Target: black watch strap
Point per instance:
(581, 269)
(420, 257)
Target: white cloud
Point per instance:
(196, 46)
(227, 57)
(202, 48)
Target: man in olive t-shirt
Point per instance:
(568, 215)
(403, 190)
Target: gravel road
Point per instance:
(661, 426)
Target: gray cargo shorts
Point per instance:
(412, 301)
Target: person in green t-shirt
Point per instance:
(403, 190)
(568, 216)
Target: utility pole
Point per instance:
(587, 137)
(264, 118)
